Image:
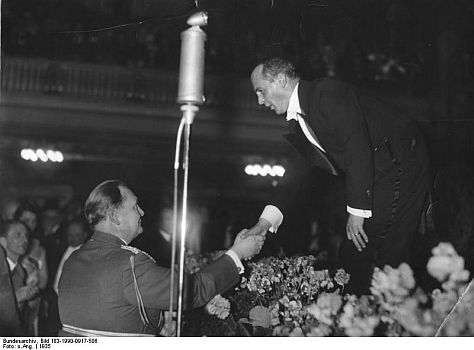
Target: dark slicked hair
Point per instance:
(104, 197)
(7, 225)
(271, 67)
(24, 207)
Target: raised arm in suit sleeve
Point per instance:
(340, 107)
(154, 282)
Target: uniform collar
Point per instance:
(105, 237)
(294, 107)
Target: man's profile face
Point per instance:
(130, 213)
(271, 93)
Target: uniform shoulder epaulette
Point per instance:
(135, 251)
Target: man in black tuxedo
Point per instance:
(379, 150)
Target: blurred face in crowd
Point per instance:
(166, 220)
(9, 209)
(29, 219)
(272, 93)
(15, 240)
(130, 214)
(76, 234)
(51, 220)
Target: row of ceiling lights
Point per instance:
(41, 155)
(57, 156)
(264, 170)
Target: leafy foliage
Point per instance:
(289, 297)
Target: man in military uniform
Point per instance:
(108, 288)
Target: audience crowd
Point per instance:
(35, 241)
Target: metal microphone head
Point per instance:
(191, 68)
(198, 19)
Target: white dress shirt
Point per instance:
(235, 258)
(11, 264)
(272, 213)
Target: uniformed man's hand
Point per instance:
(261, 228)
(246, 246)
(355, 231)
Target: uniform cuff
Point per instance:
(359, 212)
(273, 215)
(236, 260)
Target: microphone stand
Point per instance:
(189, 111)
(191, 81)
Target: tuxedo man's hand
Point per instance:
(355, 231)
(260, 229)
(246, 246)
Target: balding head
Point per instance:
(274, 81)
(104, 197)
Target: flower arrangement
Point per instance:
(194, 262)
(291, 297)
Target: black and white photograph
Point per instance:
(235, 168)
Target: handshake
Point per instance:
(248, 243)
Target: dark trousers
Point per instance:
(399, 197)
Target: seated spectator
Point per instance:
(34, 262)
(28, 213)
(77, 233)
(9, 313)
(14, 239)
(54, 239)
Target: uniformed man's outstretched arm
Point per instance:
(154, 281)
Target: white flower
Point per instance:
(218, 306)
(439, 267)
(320, 331)
(297, 332)
(392, 285)
(260, 316)
(444, 248)
(356, 326)
(322, 315)
(406, 276)
(447, 266)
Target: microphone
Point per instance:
(191, 68)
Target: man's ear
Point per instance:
(3, 242)
(113, 217)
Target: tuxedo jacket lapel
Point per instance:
(309, 151)
(297, 138)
